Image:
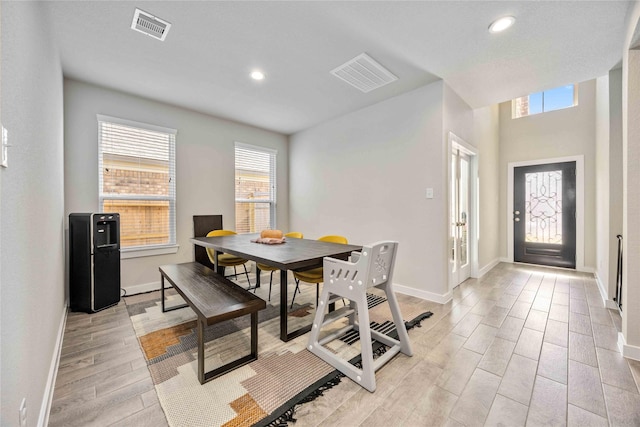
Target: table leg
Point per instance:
(254, 334)
(162, 290)
(283, 305)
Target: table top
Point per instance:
(294, 254)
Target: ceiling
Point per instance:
(211, 48)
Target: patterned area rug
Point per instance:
(262, 392)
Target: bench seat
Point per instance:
(214, 299)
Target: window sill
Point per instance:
(142, 252)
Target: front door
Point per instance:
(544, 214)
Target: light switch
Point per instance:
(429, 193)
(5, 147)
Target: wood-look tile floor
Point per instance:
(521, 346)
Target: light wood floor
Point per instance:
(522, 346)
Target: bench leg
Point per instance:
(201, 351)
(203, 376)
(164, 308)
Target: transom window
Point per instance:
(255, 188)
(137, 180)
(542, 102)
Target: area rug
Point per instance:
(263, 392)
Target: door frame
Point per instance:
(579, 203)
(456, 142)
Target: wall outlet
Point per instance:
(23, 412)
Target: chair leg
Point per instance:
(270, 282)
(294, 292)
(317, 293)
(246, 273)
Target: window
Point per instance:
(137, 180)
(255, 188)
(542, 102)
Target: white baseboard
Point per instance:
(484, 270)
(45, 407)
(144, 287)
(606, 302)
(505, 259)
(628, 351)
(425, 295)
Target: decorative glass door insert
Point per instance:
(543, 207)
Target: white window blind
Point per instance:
(137, 180)
(255, 188)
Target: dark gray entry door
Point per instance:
(544, 214)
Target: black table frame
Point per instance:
(294, 255)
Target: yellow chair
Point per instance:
(264, 267)
(227, 260)
(315, 275)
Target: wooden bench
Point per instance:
(214, 299)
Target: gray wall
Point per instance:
(32, 210)
(204, 165)
(567, 132)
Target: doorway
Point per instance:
(544, 214)
(463, 177)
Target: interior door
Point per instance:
(544, 214)
(460, 204)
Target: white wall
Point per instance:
(32, 217)
(608, 179)
(487, 138)
(204, 164)
(631, 173)
(602, 183)
(562, 133)
(615, 174)
(364, 176)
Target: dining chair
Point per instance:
(265, 267)
(315, 275)
(372, 267)
(227, 260)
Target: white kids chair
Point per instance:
(372, 267)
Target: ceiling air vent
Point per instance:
(364, 73)
(150, 25)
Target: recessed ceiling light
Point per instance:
(257, 75)
(501, 24)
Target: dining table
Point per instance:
(292, 255)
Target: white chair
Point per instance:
(373, 267)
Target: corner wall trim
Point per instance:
(425, 295)
(608, 303)
(47, 398)
(628, 351)
(487, 268)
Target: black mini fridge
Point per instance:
(94, 261)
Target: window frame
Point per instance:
(149, 249)
(514, 101)
(273, 154)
